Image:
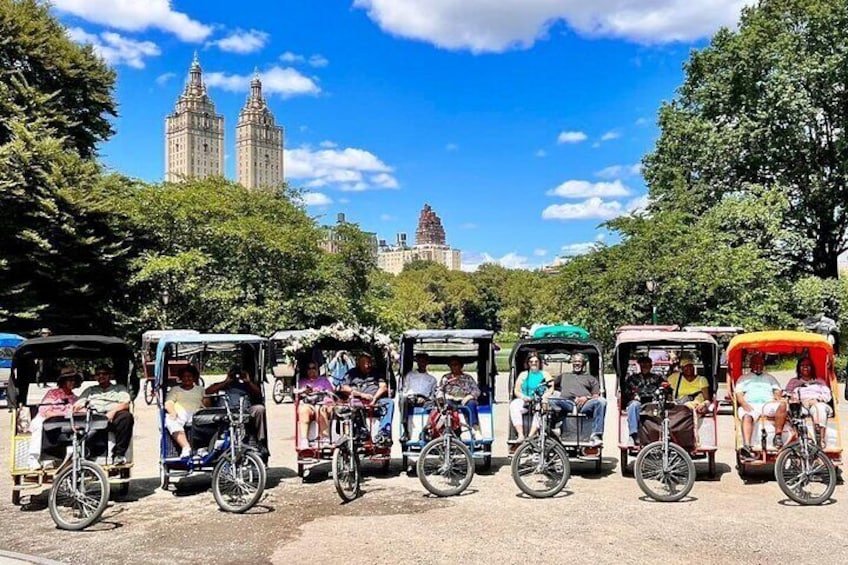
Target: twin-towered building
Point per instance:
(194, 137)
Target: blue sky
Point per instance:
(521, 122)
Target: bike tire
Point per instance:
(148, 392)
(230, 475)
(648, 456)
(434, 452)
(59, 495)
(278, 393)
(785, 476)
(531, 448)
(346, 474)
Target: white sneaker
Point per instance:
(186, 452)
(33, 463)
(595, 441)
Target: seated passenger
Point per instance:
(237, 386)
(113, 400)
(363, 383)
(689, 388)
(639, 389)
(181, 403)
(460, 389)
(814, 394)
(582, 390)
(525, 387)
(63, 399)
(758, 394)
(312, 405)
(419, 390)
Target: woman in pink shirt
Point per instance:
(58, 403)
(814, 394)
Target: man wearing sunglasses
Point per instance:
(582, 391)
(112, 400)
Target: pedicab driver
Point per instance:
(759, 394)
(419, 389)
(365, 384)
(639, 389)
(113, 400)
(180, 405)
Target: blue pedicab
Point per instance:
(8, 343)
(557, 349)
(455, 438)
(75, 453)
(219, 436)
(149, 341)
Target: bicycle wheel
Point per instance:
(540, 475)
(279, 392)
(346, 473)
(807, 480)
(664, 483)
(445, 468)
(238, 485)
(148, 392)
(76, 504)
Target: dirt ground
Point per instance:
(599, 518)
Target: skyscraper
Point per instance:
(259, 142)
(194, 133)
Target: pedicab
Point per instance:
(671, 435)
(8, 343)
(149, 341)
(318, 345)
(75, 455)
(576, 429)
(805, 464)
(429, 445)
(722, 335)
(230, 442)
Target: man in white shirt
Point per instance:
(419, 389)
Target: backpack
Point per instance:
(436, 423)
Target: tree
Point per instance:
(765, 108)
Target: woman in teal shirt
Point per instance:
(525, 386)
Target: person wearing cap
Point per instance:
(181, 403)
(690, 388)
(759, 394)
(57, 403)
(364, 384)
(419, 390)
(112, 400)
(638, 389)
(582, 390)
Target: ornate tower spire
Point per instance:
(256, 90)
(259, 141)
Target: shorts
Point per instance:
(177, 423)
(769, 409)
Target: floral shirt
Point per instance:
(641, 387)
(457, 388)
(56, 396)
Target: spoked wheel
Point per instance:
(346, 473)
(238, 484)
(279, 391)
(445, 468)
(807, 480)
(76, 504)
(148, 392)
(540, 475)
(664, 483)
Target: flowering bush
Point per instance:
(337, 331)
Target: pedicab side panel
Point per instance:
(627, 342)
(784, 342)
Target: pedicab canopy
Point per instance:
(8, 343)
(38, 360)
(250, 349)
(471, 345)
(783, 342)
(557, 352)
(561, 330)
(630, 342)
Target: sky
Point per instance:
(521, 122)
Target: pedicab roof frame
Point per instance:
(483, 339)
(629, 340)
(560, 330)
(586, 346)
(646, 327)
(74, 347)
(9, 342)
(196, 343)
(781, 342)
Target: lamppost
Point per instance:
(165, 299)
(651, 284)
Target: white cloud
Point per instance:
(316, 199)
(133, 15)
(328, 144)
(348, 169)
(164, 78)
(286, 82)
(318, 61)
(468, 226)
(638, 204)
(620, 171)
(641, 122)
(610, 135)
(385, 217)
(451, 147)
(116, 49)
(472, 261)
(541, 153)
(593, 208)
(291, 58)
(571, 137)
(582, 248)
(486, 26)
(540, 252)
(586, 189)
(242, 42)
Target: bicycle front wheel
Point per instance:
(77, 503)
(445, 467)
(537, 474)
(279, 391)
(238, 484)
(808, 480)
(346, 473)
(664, 482)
